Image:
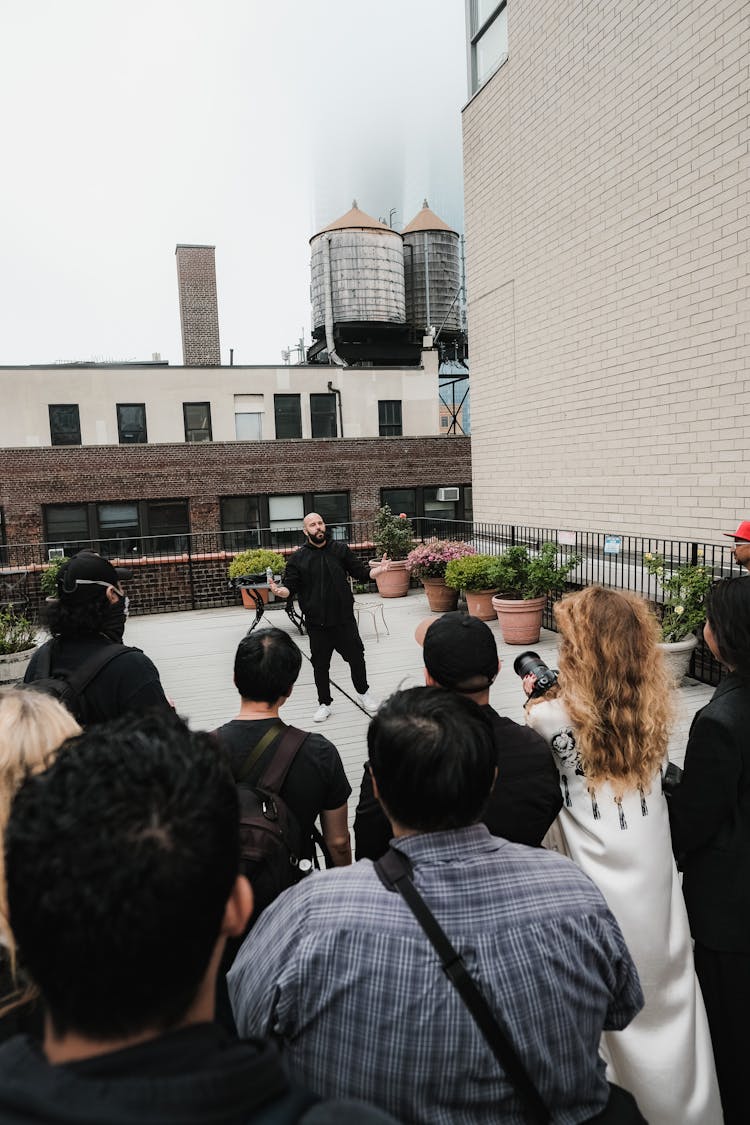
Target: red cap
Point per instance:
(742, 532)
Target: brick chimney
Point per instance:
(199, 309)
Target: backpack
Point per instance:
(68, 687)
(272, 845)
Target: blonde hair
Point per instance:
(615, 685)
(32, 727)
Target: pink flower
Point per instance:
(402, 515)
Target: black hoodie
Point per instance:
(319, 578)
(194, 1076)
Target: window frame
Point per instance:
(392, 427)
(144, 542)
(331, 397)
(144, 429)
(298, 400)
(53, 430)
(196, 441)
(476, 34)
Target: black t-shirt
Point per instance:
(130, 682)
(316, 778)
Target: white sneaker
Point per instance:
(369, 702)
(324, 712)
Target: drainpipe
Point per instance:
(337, 392)
(332, 356)
(427, 281)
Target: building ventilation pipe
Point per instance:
(330, 348)
(337, 392)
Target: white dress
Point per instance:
(664, 1057)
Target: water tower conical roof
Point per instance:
(426, 220)
(357, 220)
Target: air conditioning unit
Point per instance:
(447, 494)
(55, 553)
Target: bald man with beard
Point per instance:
(318, 573)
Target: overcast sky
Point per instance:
(249, 124)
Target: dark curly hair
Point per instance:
(120, 860)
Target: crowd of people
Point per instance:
(512, 943)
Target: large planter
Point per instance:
(13, 666)
(440, 598)
(479, 604)
(520, 621)
(247, 598)
(393, 582)
(677, 656)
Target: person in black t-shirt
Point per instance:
(266, 667)
(88, 616)
(460, 655)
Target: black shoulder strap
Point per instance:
(275, 772)
(263, 743)
(394, 872)
(77, 678)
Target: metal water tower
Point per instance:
(432, 270)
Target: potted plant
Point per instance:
(393, 537)
(48, 581)
(681, 611)
(524, 582)
(17, 643)
(254, 564)
(475, 575)
(428, 563)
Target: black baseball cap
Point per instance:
(86, 571)
(459, 648)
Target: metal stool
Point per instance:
(373, 608)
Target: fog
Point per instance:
(248, 125)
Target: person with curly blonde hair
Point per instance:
(32, 728)
(608, 729)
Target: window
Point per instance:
(64, 424)
(323, 416)
(119, 528)
(288, 416)
(389, 417)
(421, 503)
(489, 39)
(248, 417)
(197, 421)
(240, 516)
(131, 423)
(285, 515)
(334, 508)
(401, 500)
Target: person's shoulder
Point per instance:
(508, 731)
(545, 872)
(318, 745)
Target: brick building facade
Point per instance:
(607, 162)
(199, 309)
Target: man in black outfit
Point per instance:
(460, 655)
(133, 835)
(86, 620)
(318, 573)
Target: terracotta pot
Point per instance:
(479, 604)
(677, 656)
(440, 598)
(394, 583)
(247, 600)
(520, 621)
(13, 666)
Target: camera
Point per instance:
(531, 664)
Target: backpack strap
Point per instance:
(78, 678)
(255, 754)
(274, 775)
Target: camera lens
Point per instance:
(529, 664)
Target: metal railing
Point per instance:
(177, 572)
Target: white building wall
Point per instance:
(607, 208)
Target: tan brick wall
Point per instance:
(199, 309)
(607, 206)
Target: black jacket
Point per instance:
(190, 1077)
(319, 576)
(523, 804)
(709, 813)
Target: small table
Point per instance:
(253, 587)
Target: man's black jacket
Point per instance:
(523, 804)
(319, 576)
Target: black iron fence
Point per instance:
(173, 573)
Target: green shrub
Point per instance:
(256, 562)
(519, 575)
(48, 581)
(394, 535)
(683, 609)
(472, 572)
(17, 633)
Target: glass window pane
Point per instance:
(401, 500)
(240, 514)
(334, 508)
(197, 421)
(323, 416)
(64, 424)
(288, 415)
(484, 9)
(131, 422)
(168, 524)
(389, 417)
(248, 427)
(285, 508)
(66, 523)
(492, 48)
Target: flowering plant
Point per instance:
(682, 610)
(430, 559)
(393, 534)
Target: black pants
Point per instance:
(346, 641)
(725, 984)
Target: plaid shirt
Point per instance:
(339, 971)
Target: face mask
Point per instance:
(113, 625)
